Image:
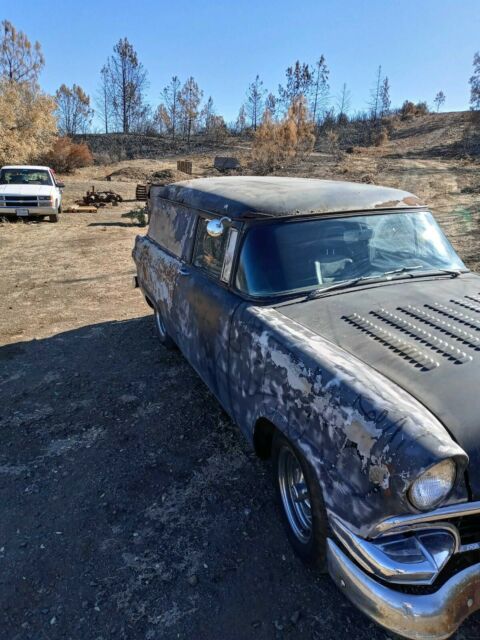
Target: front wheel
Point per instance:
(303, 510)
(163, 335)
(53, 217)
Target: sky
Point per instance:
(423, 46)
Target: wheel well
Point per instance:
(262, 438)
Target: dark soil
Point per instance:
(131, 505)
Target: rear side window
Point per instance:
(172, 227)
(209, 252)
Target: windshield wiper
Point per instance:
(401, 270)
(344, 284)
(427, 272)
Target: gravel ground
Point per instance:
(132, 507)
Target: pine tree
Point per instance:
(475, 84)
(299, 79)
(385, 101)
(254, 104)
(73, 110)
(375, 97)
(19, 60)
(343, 104)
(321, 89)
(128, 81)
(190, 98)
(439, 100)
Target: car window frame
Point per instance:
(217, 279)
(274, 299)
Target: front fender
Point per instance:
(366, 438)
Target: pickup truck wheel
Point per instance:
(165, 339)
(53, 217)
(302, 507)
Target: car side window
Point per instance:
(209, 252)
(172, 227)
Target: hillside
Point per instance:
(434, 156)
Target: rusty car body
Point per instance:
(340, 331)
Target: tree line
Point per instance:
(121, 104)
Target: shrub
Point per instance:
(139, 214)
(411, 110)
(381, 138)
(66, 155)
(278, 143)
(27, 122)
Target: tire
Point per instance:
(53, 217)
(163, 336)
(306, 520)
(60, 209)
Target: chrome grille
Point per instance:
(23, 201)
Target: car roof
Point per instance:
(254, 196)
(25, 166)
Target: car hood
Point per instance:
(422, 334)
(25, 189)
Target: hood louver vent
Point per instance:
(427, 338)
(448, 328)
(412, 331)
(405, 350)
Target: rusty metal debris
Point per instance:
(100, 198)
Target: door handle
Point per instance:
(184, 271)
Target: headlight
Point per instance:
(45, 198)
(433, 486)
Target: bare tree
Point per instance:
(254, 104)
(73, 110)
(343, 103)
(190, 98)
(207, 115)
(475, 84)
(162, 120)
(385, 101)
(128, 80)
(321, 88)
(439, 100)
(375, 97)
(299, 79)
(103, 98)
(20, 61)
(172, 104)
(271, 105)
(241, 121)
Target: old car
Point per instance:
(27, 190)
(339, 329)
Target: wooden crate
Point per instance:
(141, 192)
(185, 166)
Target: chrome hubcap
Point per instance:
(294, 494)
(160, 325)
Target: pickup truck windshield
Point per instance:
(25, 176)
(281, 258)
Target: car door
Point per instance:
(204, 306)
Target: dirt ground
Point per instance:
(132, 507)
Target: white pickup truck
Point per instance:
(29, 190)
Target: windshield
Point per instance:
(283, 258)
(25, 176)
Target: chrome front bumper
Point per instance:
(421, 617)
(32, 211)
